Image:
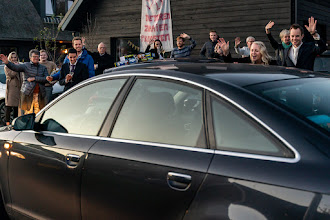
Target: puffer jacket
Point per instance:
(31, 70)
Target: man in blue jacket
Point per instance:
(83, 57)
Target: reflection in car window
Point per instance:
(308, 98)
(235, 133)
(162, 112)
(83, 111)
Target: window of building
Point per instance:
(123, 46)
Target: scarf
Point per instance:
(285, 45)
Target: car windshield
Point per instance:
(308, 98)
(2, 74)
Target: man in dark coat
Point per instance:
(207, 50)
(73, 72)
(102, 60)
(302, 55)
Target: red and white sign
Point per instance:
(156, 23)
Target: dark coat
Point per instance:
(104, 62)
(279, 50)
(80, 74)
(306, 55)
(207, 50)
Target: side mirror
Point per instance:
(24, 122)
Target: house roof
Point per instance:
(69, 15)
(75, 18)
(19, 20)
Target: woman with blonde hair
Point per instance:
(258, 53)
(13, 87)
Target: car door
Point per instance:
(255, 173)
(155, 158)
(44, 169)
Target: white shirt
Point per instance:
(244, 51)
(293, 53)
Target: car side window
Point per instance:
(82, 111)
(162, 112)
(235, 132)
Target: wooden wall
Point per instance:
(122, 18)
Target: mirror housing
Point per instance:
(24, 122)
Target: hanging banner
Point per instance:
(156, 23)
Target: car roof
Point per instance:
(238, 74)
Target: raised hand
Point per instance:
(151, 42)
(237, 41)
(4, 58)
(224, 46)
(184, 35)
(269, 26)
(311, 25)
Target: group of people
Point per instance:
(29, 85)
(291, 52)
(32, 89)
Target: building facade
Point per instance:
(118, 22)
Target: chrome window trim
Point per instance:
(154, 144)
(296, 158)
(65, 134)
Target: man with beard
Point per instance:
(182, 50)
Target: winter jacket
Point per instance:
(13, 87)
(85, 58)
(31, 70)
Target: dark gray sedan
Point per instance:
(175, 140)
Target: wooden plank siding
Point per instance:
(122, 18)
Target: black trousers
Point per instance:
(8, 110)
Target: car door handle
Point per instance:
(72, 160)
(178, 181)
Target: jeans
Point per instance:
(49, 92)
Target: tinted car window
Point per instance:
(82, 111)
(162, 112)
(2, 74)
(322, 64)
(308, 98)
(235, 133)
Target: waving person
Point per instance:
(278, 47)
(258, 53)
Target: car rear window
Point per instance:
(308, 98)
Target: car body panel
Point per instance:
(38, 162)
(230, 198)
(139, 172)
